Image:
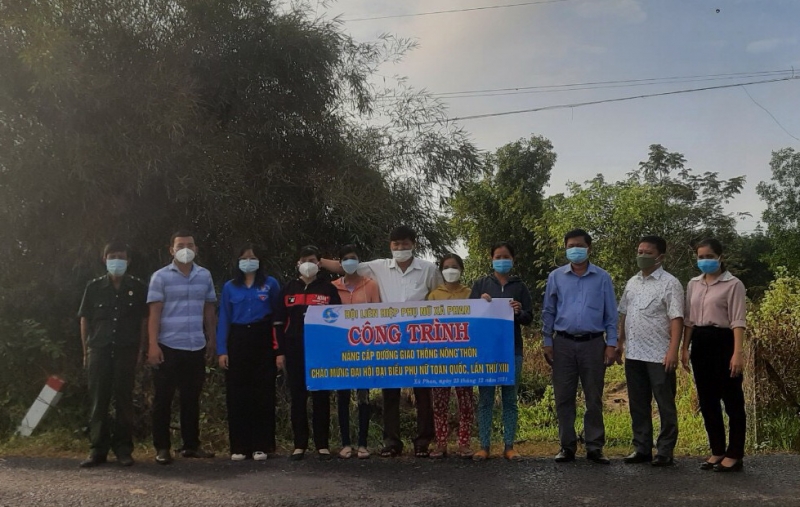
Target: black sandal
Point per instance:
(389, 452)
(421, 452)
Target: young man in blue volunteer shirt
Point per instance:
(113, 318)
(182, 330)
(580, 309)
(402, 278)
(310, 288)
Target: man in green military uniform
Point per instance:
(113, 317)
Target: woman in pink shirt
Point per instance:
(715, 320)
(354, 289)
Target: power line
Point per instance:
(770, 114)
(604, 101)
(471, 9)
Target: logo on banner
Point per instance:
(330, 315)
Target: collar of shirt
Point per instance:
(414, 265)
(459, 288)
(589, 269)
(174, 267)
(123, 283)
(724, 277)
(657, 274)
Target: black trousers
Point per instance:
(184, 371)
(250, 393)
(712, 349)
(645, 381)
(112, 372)
(391, 419)
(320, 405)
(343, 403)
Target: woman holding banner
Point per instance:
(451, 266)
(354, 289)
(501, 284)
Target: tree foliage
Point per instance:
(242, 120)
(505, 205)
(662, 197)
(782, 215)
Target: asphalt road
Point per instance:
(766, 481)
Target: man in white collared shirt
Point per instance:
(650, 330)
(402, 278)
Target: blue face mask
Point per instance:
(116, 267)
(248, 265)
(708, 266)
(577, 255)
(350, 266)
(502, 266)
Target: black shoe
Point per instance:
(125, 460)
(662, 461)
(736, 467)
(709, 465)
(324, 456)
(598, 457)
(163, 457)
(565, 456)
(197, 453)
(638, 457)
(93, 461)
(297, 456)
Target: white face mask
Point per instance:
(308, 269)
(184, 255)
(116, 267)
(451, 275)
(402, 255)
(350, 266)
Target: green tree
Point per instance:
(505, 204)
(238, 119)
(782, 216)
(661, 197)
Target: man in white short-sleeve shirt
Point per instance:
(402, 278)
(650, 330)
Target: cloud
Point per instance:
(629, 11)
(767, 45)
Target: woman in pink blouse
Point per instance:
(715, 324)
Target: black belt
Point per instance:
(579, 337)
(257, 324)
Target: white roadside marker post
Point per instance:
(48, 397)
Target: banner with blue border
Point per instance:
(415, 344)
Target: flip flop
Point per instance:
(346, 452)
(389, 452)
(363, 453)
(422, 453)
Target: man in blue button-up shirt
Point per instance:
(579, 310)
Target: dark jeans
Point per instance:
(250, 394)
(185, 371)
(343, 401)
(584, 361)
(646, 380)
(391, 419)
(112, 372)
(712, 349)
(320, 405)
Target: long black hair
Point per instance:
(238, 275)
(716, 246)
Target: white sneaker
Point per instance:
(238, 457)
(260, 456)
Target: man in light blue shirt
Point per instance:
(182, 335)
(579, 310)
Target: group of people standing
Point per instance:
(258, 330)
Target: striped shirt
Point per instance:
(184, 298)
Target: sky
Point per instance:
(582, 41)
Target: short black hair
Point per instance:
(501, 244)
(238, 275)
(402, 232)
(577, 233)
(448, 256)
(309, 250)
(348, 249)
(116, 246)
(180, 233)
(657, 241)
